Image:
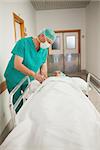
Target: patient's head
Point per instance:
(58, 73)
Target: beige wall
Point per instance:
(64, 20)
(26, 11)
(93, 38)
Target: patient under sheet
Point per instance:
(75, 81)
(57, 116)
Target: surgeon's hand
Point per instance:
(44, 75)
(39, 77)
(43, 70)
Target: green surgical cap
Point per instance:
(49, 33)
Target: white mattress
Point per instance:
(57, 117)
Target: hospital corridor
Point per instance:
(49, 75)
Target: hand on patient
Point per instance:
(44, 76)
(39, 77)
(44, 73)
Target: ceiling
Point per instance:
(58, 4)
(15, 1)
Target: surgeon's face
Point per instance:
(43, 39)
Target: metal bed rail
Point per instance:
(93, 82)
(14, 106)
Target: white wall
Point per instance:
(7, 40)
(93, 38)
(64, 20)
(26, 12)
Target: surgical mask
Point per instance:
(44, 45)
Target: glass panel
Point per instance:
(70, 40)
(71, 63)
(57, 44)
(55, 62)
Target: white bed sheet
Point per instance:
(75, 81)
(57, 117)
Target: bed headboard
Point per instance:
(93, 90)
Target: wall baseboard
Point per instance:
(6, 131)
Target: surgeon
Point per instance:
(28, 57)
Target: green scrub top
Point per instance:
(32, 59)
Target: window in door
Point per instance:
(57, 46)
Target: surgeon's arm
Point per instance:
(22, 68)
(43, 70)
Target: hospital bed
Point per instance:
(57, 116)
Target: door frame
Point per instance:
(79, 48)
(20, 21)
(77, 30)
